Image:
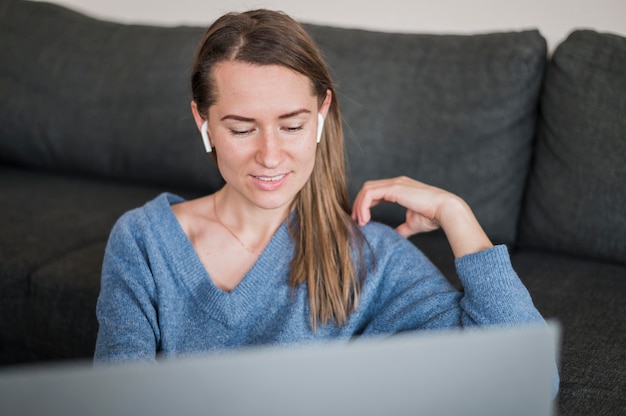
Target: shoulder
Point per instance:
(380, 235)
(386, 244)
(138, 221)
(155, 207)
(399, 270)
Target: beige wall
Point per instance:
(554, 18)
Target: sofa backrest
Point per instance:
(92, 97)
(457, 112)
(100, 98)
(576, 201)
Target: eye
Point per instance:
(292, 129)
(241, 132)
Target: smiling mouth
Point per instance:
(270, 178)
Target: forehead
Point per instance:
(252, 87)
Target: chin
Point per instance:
(273, 202)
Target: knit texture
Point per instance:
(157, 298)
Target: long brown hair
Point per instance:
(329, 246)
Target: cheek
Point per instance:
(229, 161)
(308, 159)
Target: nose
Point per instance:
(270, 152)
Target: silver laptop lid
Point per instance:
(504, 371)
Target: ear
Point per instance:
(326, 104)
(203, 126)
(196, 115)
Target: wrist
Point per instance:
(453, 210)
(465, 234)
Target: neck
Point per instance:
(254, 226)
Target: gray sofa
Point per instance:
(95, 120)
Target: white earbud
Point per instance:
(320, 126)
(205, 136)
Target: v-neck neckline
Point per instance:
(228, 307)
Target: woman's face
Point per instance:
(263, 127)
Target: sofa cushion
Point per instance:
(53, 231)
(587, 298)
(47, 216)
(457, 112)
(62, 315)
(87, 96)
(576, 193)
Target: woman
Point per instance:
(277, 255)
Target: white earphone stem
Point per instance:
(320, 126)
(205, 136)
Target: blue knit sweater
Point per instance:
(157, 298)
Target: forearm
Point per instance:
(493, 293)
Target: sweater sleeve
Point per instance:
(126, 307)
(412, 294)
(494, 294)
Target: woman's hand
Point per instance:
(428, 208)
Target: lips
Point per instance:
(270, 178)
(269, 183)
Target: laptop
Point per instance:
(487, 371)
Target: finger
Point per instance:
(383, 190)
(404, 230)
(360, 209)
(367, 198)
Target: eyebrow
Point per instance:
(250, 120)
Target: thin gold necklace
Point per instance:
(231, 231)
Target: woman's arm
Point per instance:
(126, 308)
(493, 293)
